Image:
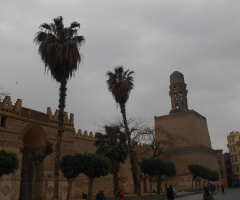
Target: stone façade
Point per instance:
(22, 126)
(190, 140)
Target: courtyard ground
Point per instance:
(230, 194)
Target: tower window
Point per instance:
(3, 121)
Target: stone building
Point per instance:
(234, 151)
(23, 131)
(188, 131)
(21, 127)
(222, 167)
(228, 165)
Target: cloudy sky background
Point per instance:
(201, 39)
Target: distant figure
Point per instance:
(154, 190)
(218, 187)
(170, 193)
(103, 196)
(211, 188)
(207, 195)
(100, 195)
(119, 195)
(222, 188)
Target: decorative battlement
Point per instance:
(85, 135)
(16, 109)
(7, 106)
(54, 118)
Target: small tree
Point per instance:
(213, 175)
(199, 171)
(8, 162)
(71, 167)
(148, 167)
(96, 165)
(171, 170)
(155, 167)
(113, 145)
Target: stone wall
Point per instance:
(22, 126)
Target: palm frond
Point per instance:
(40, 37)
(46, 26)
(74, 25)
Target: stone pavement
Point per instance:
(230, 194)
(154, 196)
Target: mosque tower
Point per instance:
(185, 133)
(178, 92)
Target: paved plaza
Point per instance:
(230, 194)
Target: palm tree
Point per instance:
(59, 50)
(113, 145)
(120, 84)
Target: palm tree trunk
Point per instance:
(159, 182)
(115, 179)
(70, 182)
(150, 183)
(133, 158)
(61, 106)
(90, 187)
(139, 185)
(145, 183)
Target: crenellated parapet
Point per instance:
(7, 106)
(68, 121)
(84, 135)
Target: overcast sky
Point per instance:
(199, 38)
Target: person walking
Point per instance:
(222, 188)
(207, 195)
(121, 194)
(170, 193)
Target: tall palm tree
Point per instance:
(120, 84)
(59, 50)
(113, 145)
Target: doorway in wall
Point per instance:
(32, 182)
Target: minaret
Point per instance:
(178, 92)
